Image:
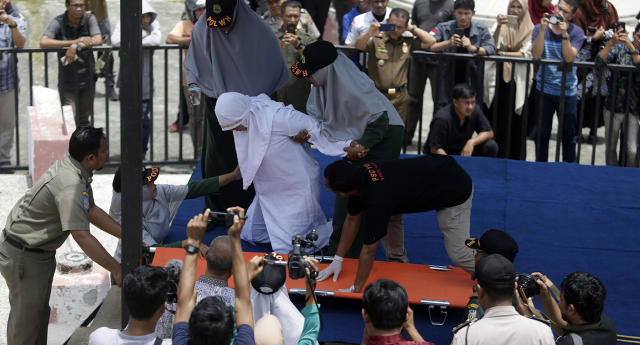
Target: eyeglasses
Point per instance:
(78, 5)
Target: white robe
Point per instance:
(288, 184)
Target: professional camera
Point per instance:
(554, 19)
(297, 263)
(221, 218)
(528, 284)
(173, 269)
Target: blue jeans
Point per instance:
(550, 105)
(146, 125)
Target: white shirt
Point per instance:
(504, 326)
(109, 336)
(361, 25)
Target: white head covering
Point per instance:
(255, 113)
(347, 101)
(245, 59)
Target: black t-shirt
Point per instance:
(420, 184)
(603, 335)
(447, 133)
(426, 14)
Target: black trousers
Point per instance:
(318, 10)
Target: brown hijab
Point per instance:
(594, 13)
(513, 37)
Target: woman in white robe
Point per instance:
(286, 177)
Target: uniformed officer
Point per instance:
(59, 204)
(390, 54)
(501, 323)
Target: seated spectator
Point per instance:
(295, 91)
(75, 30)
(212, 283)
(461, 35)
(512, 40)
(620, 50)
(581, 303)
(160, 203)
(211, 320)
(390, 54)
(151, 36)
(559, 41)
(386, 313)
(362, 23)
(144, 291)
(491, 242)
(362, 6)
(451, 130)
(272, 18)
(501, 323)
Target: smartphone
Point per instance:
(511, 19)
(222, 218)
(459, 32)
(291, 28)
(620, 25)
(592, 29)
(387, 27)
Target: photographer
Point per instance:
(555, 38)
(501, 323)
(578, 316)
(273, 311)
(292, 42)
(211, 321)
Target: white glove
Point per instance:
(334, 268)
(351, 288)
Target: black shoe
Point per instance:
(113, 95)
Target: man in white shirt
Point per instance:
(361, 24)
(145, 292)
(501, 323)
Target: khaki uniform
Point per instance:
(503, 325)
(37, 225)
(388, 66)
(99, 8)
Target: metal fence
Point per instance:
(166, 71)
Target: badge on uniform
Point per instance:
(85, 201)
(380, 62)
(405, 48)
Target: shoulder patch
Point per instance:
(461, 326)
(85, 201)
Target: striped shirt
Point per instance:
(553, 51)
(8, 77)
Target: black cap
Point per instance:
(495, 272)
(148, 175)
(315, 56)
(271, 278)
(495, 242)
(220, 13)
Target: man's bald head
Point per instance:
(219, 256)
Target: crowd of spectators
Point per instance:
(569, 30)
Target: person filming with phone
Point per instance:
(461, 35)
(390, 54)
(292, 42)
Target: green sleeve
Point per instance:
(375, 131)
(206, 186)
(311, 327)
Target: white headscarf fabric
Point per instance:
(245, 59)
(255, 113)
(347, 101)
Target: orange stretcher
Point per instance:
(426, 285)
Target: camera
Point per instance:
(528, 284)
(554, 19)
(291, 27)
(173, 269)
(221, 218)
(619, 25)
(296, 263)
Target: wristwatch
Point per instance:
(78, 48)
(413, 29)
(15, 25)
(299, 46)
(191, 249)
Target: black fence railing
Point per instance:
(165, 148)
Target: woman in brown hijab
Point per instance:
(513, 39)
(597, 19)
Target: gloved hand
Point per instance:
(351, 288)
(334, 268)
